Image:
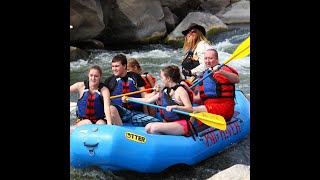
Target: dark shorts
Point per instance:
(137, 118)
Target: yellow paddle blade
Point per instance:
(210, 119)
(242, 50)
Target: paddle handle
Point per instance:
(127, 94)
(156, 106)
(199, 81)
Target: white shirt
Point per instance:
(198, 55)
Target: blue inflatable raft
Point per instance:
(129, 147)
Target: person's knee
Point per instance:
(195, 109)
(101, 122)
(198, 109)
(147, 128)
(155, 129)
(114, 113)
(152, 128)
(118, 122)
(83, 122)
(113, 110)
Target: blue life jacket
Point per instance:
(90, 106)
(123, 87)
(211, 88)
(166, 100)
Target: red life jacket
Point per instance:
(217, 85)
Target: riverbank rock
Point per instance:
(236, 172)
(238, 12)
(145, 22)
(86, 19)
(77, 53)
(210, 22)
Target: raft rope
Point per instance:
(194, 132)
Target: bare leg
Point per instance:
(83, 122)
(152, 111)
(198, 109)
(116, 120)
(148, 127)
(165, 128)
(100, 121)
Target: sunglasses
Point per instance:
(192, 31)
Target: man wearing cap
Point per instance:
(195, 45)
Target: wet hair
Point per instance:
(96, 67)
(120, 58)
(215, 52)
(172, 71)
(132, 62)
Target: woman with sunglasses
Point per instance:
(195, 45)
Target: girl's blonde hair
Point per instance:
(132, 62)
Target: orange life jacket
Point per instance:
(148, 84)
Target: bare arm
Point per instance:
(197, 99)
(106, 101)
(187, 86)
(232, 77)
(152, 99)
(77, 87)
(182, 94)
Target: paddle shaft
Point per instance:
(156, 106)
(127, 94)
(199, 81)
